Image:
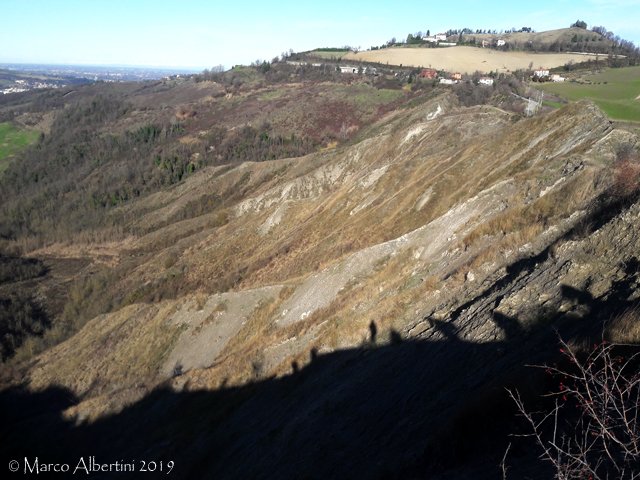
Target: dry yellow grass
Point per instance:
(136, 335)
(626, 327)
(467, 59)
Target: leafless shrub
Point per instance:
(593, 429)
(503, 463)
(626, 171)
(170, 259)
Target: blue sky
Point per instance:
(200, 33)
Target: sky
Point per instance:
(200, 34)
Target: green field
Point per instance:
(328, 54)
(615, 91)
(551, 103)
(12, 141)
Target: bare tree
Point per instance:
(593, 429)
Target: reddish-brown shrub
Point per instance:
(626, 172)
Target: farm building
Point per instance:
(438, 37)
(541, 72)
(485, 81)
(447, 81)
(500, 43)
(348, 69)
(302, 64)
(456, 76)
(429, 73)
(557, 78)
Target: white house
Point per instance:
(438, 37)
(486, 81)
(500, 43)
(348, 69)
(541, 72)
(557, 78)
(447, 81)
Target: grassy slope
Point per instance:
(328, 54)
(615, 91)
(13, 140)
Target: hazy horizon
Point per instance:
(95, 65)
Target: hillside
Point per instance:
(468, 52)
(562, 39)
(467, 59)
(334, 279)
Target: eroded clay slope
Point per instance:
(443, 216)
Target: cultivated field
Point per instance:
(467, 59)
(616, 91)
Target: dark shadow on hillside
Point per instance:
(22, 313)
(408, 409)
(17, 269)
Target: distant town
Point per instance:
(15, 78)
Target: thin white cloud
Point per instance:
(609, 4)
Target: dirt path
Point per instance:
(106, 253)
